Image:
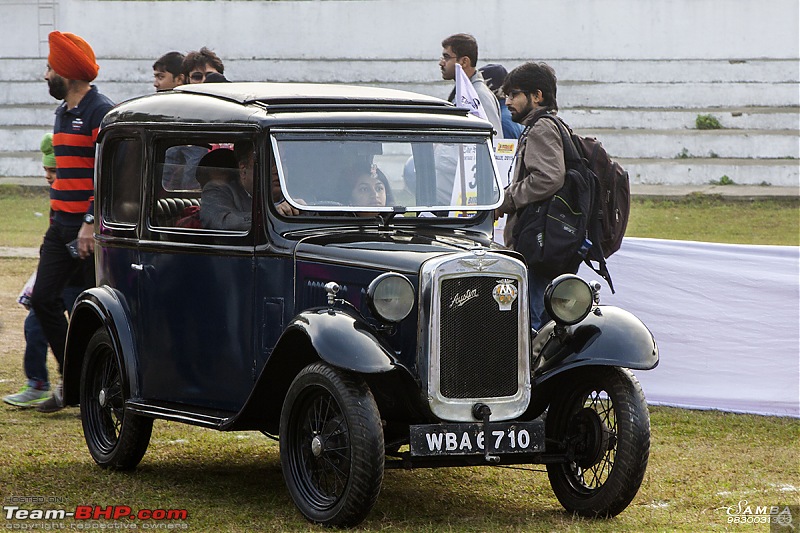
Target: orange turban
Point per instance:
(71, 57)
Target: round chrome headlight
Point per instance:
(568, 299)
(390, 297)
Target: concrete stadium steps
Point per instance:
(740, 118)
(641, 143)
(694, 171)
(644, 111)
(27, 115)
(582, 83)
(654, 96)
(425, 70)
(683, 143)
(702, 171)
(22, 138)
(28, 93)
(23, 163)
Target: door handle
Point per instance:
(136, 267)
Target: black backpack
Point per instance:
(613, 195)
(550, 233)
(584, 221)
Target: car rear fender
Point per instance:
(96, 308)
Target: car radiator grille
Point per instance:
(478, 342)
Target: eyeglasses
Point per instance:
(197, 76)
(514, 93)
(447, 57)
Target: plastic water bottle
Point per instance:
(584, 249)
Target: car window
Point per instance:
(364, 174)
(122, 171)
(179, 167)
(201, 185)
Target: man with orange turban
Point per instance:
(71, 67)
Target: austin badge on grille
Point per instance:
(504, 293)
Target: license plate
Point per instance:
(469, 438)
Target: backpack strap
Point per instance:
(571, 152)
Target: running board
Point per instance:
(207, 418)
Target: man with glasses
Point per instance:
(198, 64)
(462, 48)
(539, 167)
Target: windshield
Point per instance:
(368, 174)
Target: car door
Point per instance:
(117, 209)
(195, 325)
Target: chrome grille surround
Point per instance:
(447, 394)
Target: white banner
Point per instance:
(726, 318)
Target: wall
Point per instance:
(412, 29)
(634, 73)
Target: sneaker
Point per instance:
(53, 403)
(27, 397)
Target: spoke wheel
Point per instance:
(332, 450)
(601, 420)
(115, 439)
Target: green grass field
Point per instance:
(714, 219)
(23, 219)
(24, 216)
(701, 462)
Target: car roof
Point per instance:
(291, 104)
(299, 94)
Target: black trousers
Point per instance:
(56, 268)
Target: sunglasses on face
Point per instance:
(197, 76)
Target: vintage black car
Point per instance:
(316, 262)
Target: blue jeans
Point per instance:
(536, 287)
(35, 359)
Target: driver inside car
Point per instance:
(227, 186)
(281, 205)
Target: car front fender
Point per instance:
(610, 337)
(331, 335)
(96, 308)
(344, 340)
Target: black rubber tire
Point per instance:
(612, 474)
(331, 445)
(116, 439)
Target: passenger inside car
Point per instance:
(366, 186)
(226, 201)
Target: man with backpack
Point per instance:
(539, 168)
(568, 201)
